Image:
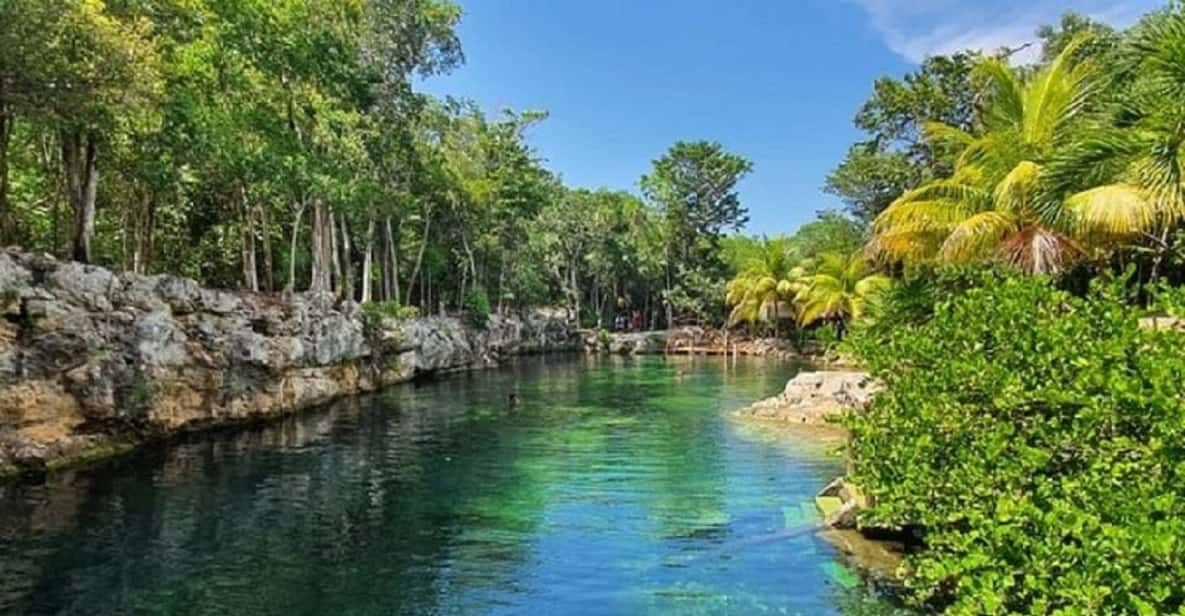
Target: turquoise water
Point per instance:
(613, 487)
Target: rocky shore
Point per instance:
(693, 341)
(815, 398)
(93, 362)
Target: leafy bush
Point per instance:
(1169, 299)
(477, 307)
(378, 311)
(1036, 442)
(912, 299)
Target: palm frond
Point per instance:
(978, 237)
(1015, 192)
(939, 133)
(906, 244)
(1056, 94)
(1007, 105)
(1115, 210)
(868, 289)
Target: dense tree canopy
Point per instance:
(281, 146)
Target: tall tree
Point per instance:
(896, 156)
(990, 207)
(694, 190)
(102, 74)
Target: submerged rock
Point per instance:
(814, 397)
(90, 358)
(879, 552)
(840, 502)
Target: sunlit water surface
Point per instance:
(612, 487)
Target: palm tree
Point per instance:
(1133, 167)
(838, 291)
(760, 298)
(763, 292)
(992, 207)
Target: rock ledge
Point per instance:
(94, 361)
(814, 397)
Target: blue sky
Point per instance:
(777, 81)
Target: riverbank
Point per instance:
(809, 407)
(696, 340)
(94, 363)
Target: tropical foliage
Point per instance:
(1025, 436)
(838, 290)
(816, 275)
(990, 206)
(282, 146)
(1076, 159)
(1028, 438)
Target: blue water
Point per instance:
(613, 487)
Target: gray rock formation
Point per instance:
(812, 397)
(91, 360)
(691, 341)
(627, 343)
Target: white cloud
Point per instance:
(915, 29)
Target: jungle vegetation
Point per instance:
(1005, 227)
(282, 147)
(1031, 216)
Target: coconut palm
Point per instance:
(763, 291)
(760, 298)
(1133, 168)
(992, 206)
(838, 291)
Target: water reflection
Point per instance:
(612, 487)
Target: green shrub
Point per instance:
(377, 311)
(1169, 299)
(913, 299)
(477, 307)
(1036, 442)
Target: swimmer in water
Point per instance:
(512, 399)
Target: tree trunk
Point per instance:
(574, 289)
(266, 238)
(393, 259)
(321, 278)
(6, 124)
(148, 251)
(79, 154)
(291, 286)
(368, 259)
(335, 256)
(501, 280)
(347, 263)
(411, 283)
(384, 260)
(247, 245)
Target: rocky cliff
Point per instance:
(93, 361)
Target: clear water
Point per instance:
(612, 487)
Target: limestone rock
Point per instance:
(89, 357)
(1163, 322)
(813, 397)
(852, 502)
(86, 285)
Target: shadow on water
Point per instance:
(612, 486)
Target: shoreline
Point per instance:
(806, 410)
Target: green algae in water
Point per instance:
(612, 488)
